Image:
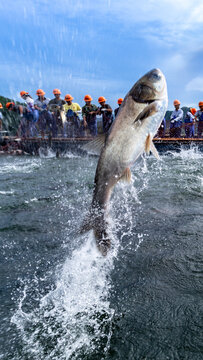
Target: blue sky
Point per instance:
(101, 47)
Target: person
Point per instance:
(28, 99)
(72, 124)
(89, 112)
(22, 111)
(1, 116)
(176, 120)
(31, 113)
(120, 100)
(162, 129)
(199, 117)
(189, 121)
(58, 117)
(106, 111)
(44, 117)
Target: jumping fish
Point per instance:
(130, 135)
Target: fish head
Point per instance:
(147, 94)
(140, 115)
(149, 88)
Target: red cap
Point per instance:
(101, 99)
(56, 92)
(87, 98)
(23, 93)
(40, 92)
(193, 111)
(68, 97)
(8, 104)
(176, 102)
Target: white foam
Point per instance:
(46, 153)
(187, 154)
(20, 166)
(79, 303)
(7, 192)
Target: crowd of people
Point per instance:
(178, 122)
(65, 118)
(61, 117)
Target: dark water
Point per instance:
(61, 300)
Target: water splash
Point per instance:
(46, 153)
(187, 154)
(21, 165)
(74, 319)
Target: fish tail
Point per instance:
(96, 221)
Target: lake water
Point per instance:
(60, 299)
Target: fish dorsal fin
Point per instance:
(150, 110)
(149, 146)
(126, 175)
(95, 146)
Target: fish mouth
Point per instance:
(145, 101)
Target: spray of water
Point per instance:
(76, 318)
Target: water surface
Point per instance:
(60, 299)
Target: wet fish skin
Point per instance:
(131, 134)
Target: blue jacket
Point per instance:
(176, 119)
(188, 118)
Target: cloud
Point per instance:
(173, 19)
(195, 84)
(78, 45)
(174, 64)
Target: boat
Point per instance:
(60, 146)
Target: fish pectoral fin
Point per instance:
(95, 145)
(154, 151)
(148, 143)
(126, 175)
(150, 110)
(149, 146)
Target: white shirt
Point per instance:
(30, 103)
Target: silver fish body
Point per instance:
(131, 134)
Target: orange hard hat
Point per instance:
(23, 93)
(40, 92)
(200, 103)
(87, 98)
(1, 107)
(68, 97)
(176, 102)
(193, 111)
(120, 100)
(56, 92)
(8, 104)
(101, 99)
